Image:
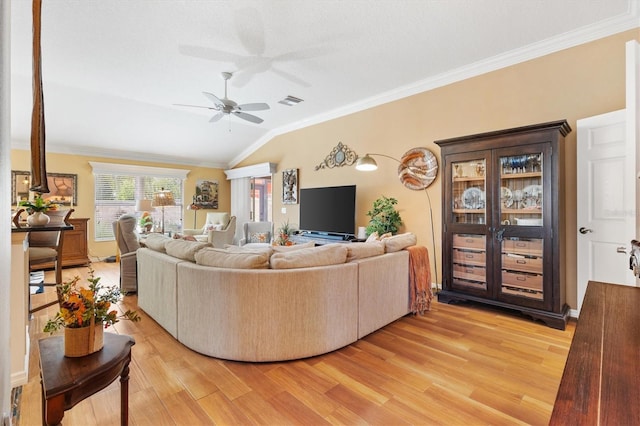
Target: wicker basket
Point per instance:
(83, 341)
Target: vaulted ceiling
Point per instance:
(114, 70)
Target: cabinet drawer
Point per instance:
(469, 241)
(469, 284)
(475, 273)
(467, 257)
(521, 263)
(530, 281)
(533, 247)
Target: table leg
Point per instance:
(124, 396)
(54, 410)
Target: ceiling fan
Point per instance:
(226, 106)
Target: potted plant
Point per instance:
(37, 209)
(283, 235)
(384, 217)
(84, 313)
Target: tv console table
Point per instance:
(318, 240)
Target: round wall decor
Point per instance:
(418, 168)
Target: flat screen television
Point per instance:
(328, 211)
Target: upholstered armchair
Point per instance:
(219, 229)
(257, 233)
(124, 230)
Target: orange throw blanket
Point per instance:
(419, 279)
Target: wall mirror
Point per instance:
(62, 188)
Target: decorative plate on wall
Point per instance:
(418, 168)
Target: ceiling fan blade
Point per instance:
(248, 117)
(196, 106)
(216, 117)
(213, 98)
(253, 107)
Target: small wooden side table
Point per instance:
(67, 381)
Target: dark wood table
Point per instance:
(67, 381)
(602, 374)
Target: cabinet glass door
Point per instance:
(521, 190)
(469, 191)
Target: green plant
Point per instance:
(38, 205)
(384, 217)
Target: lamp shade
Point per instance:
(143, 206)
(193, 206)
(163, 198)
(366, 164)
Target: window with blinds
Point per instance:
(116, 193)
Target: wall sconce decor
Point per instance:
(341, 155)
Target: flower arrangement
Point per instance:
(145, 222)
(78, 305)
(38, 205)
(283, 235)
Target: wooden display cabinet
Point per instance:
(502, 239)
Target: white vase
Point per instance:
(38, 219)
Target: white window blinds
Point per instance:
(118, 187)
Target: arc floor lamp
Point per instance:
(418, 169)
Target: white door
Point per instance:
(608, 187)
(605, 200)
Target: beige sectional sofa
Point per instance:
(270, 304)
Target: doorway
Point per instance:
(261, 199)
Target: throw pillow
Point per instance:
(245, 259)
(184, 250)
(156, 242)
(373, 237)
(330, 254)
(364, 250)
(184, 237)
(208, 227)
(259, 237)
(399, 242)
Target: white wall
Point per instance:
(5, 206)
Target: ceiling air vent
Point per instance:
(290, 101)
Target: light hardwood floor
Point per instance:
(458, 364)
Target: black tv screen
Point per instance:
(330, 210)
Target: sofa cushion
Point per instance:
(236, 259)
(282, 249)
(156, 242)
(399, 242)
(330, 254)
(183, 249)
(363, 250)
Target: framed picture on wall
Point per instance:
(290, 186)
(206, 194)
(62, 188)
